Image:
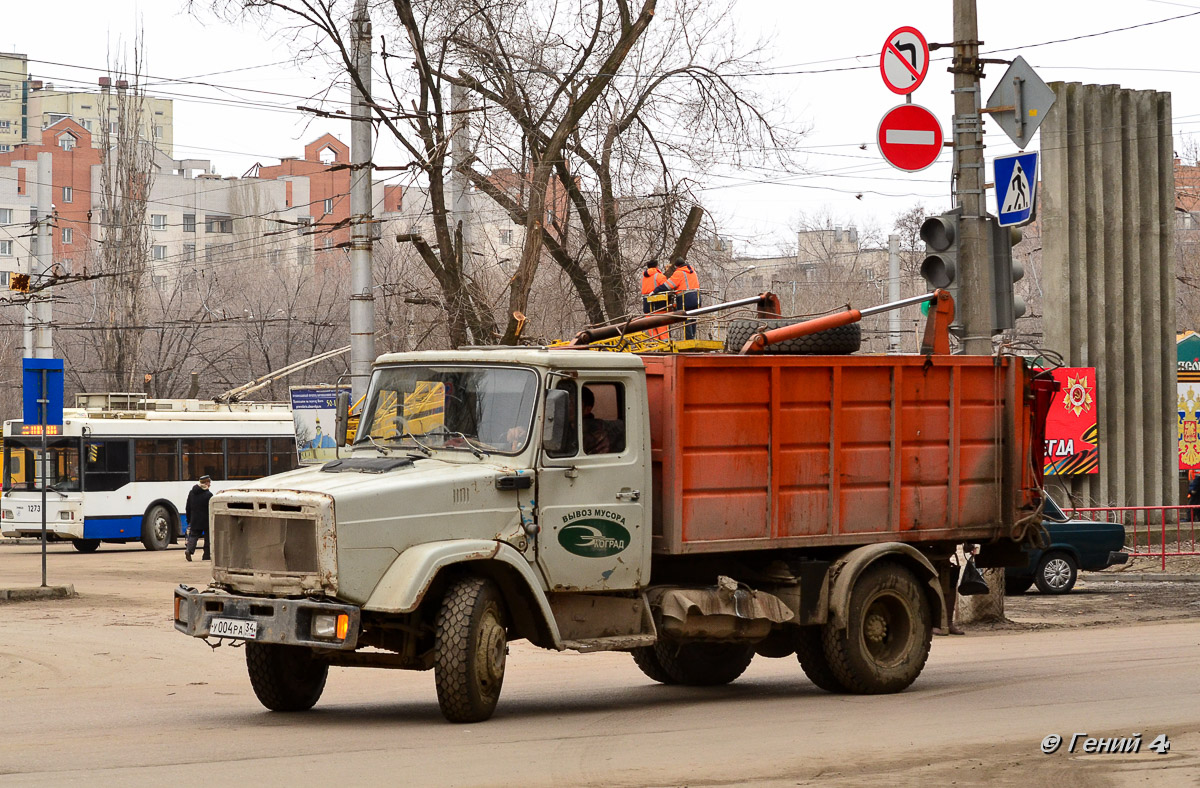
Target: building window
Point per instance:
(506, 237)
(274, 256)
(302, 224)
(218, 224)
(158, 282)
(328, 243)
(87, 124)
(189, 252)
(328, 205)
(68, 194)
(66, 142)
(68, 235)
(5, 215)
(5, 248)
(158, 132)
(158, 252)
(158, 221)
(304, 254)
(112, 127)
(5, 148)
(189, 222)
(3, 278)
(4, 124)
(5, 91)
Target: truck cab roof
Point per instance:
(553, 358)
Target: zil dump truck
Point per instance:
(694, 509)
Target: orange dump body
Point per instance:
(759, 452)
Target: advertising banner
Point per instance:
(1072, 437)
(314, 411)
(1187, 379)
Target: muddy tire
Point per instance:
(830, 342)
(285, 678)
(886, 641)
(703, 664)
(86, 545)
(157, 525)
(647, 661)
(811, 654)
(470, 649)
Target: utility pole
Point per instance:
(974, 309)
(893, 293)
(362, 294)
(43, 337)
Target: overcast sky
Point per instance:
(827, 55)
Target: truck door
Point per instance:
(593, 495)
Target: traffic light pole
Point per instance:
(974, 309)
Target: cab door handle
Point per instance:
(627, 494)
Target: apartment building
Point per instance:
(47, 105)
(14, 81)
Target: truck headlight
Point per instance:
(180, 608)
(328, 626)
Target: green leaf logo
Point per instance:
(593, 538)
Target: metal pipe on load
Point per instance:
(766, 302)
(774, 336)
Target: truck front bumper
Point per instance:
(287, 622)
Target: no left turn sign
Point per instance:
(904, 60)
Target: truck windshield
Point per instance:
(471, 409)
(23, 464)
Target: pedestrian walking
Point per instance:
(1194, 496)
(197, 517)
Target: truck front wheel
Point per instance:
(703, 664)
(471, 645)
(886, 641)
(285, 678)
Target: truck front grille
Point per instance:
(253, 543)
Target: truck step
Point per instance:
(612, 643)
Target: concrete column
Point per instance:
(1108, 262)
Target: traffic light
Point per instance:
(1007, 305)
(19, 282)
(940, 266)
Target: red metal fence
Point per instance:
(1173, 527)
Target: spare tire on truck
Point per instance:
(837, 341)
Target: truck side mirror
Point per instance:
(554, 435)
(342, 421)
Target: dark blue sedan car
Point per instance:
(1074, 544)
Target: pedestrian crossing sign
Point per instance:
(1016, 179)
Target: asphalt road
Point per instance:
(100, 690)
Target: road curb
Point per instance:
(1143, 577)
(37, 592)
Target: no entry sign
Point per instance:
(909, 137)
(904, 60)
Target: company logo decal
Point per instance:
(588, 534)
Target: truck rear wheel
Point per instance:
(886, 641)
(703, 664)
(646, 659)
(86, 545)
(811, 655)
(285, 678)
(470, 649)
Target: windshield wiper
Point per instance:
(425, 449)
(381, 449)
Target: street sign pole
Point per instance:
(44, 403)
(974, 248)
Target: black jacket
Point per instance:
(197, 507)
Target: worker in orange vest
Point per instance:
(655, 296)
(686, 286)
